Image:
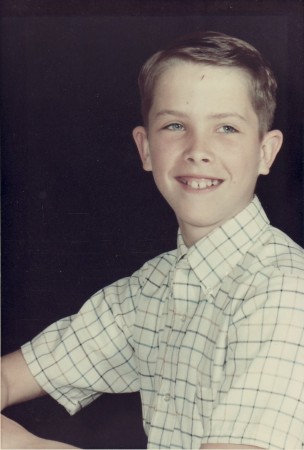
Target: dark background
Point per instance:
(78, 212)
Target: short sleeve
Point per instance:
(261, 399)
(79, 357)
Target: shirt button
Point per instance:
(183, 318)
(167, 397)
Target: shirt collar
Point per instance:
(182, 249)
(217, 254)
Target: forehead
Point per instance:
(185, 83)
(178, 72)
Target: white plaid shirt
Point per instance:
(212, 336)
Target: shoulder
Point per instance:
(274, 253)
(270, 276)
(157, 269)
(283, 253)
(124, 290)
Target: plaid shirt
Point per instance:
(212, 336)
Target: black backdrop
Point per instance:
(78, 212)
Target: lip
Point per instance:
(198, 183)
(198, 177)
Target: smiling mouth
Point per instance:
(199, 183)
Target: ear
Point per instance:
(141, 140)
(270, 146)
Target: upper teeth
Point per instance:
(202, 184)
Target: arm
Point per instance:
(18, 385)
(17, 382)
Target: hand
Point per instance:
(15, 436)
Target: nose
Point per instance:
(199, 150)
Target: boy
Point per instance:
(211, 333)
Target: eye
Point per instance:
(174, 127)
(227, 129)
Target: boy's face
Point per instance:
(203, 145)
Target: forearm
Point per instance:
(18, 385)
(17, 382)
(15, 436)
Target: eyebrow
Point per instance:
(227, 115)
(170, 112)
(218, 116)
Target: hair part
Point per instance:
(217, 49)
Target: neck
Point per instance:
(192, 234)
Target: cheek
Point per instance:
(162, 157)
(243, 168)
(158, 161)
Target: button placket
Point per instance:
(180, 281)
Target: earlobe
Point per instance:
(141, 140)
(270, 147)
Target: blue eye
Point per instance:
(227, 129)
(175, 127)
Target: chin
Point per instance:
(199, 222)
